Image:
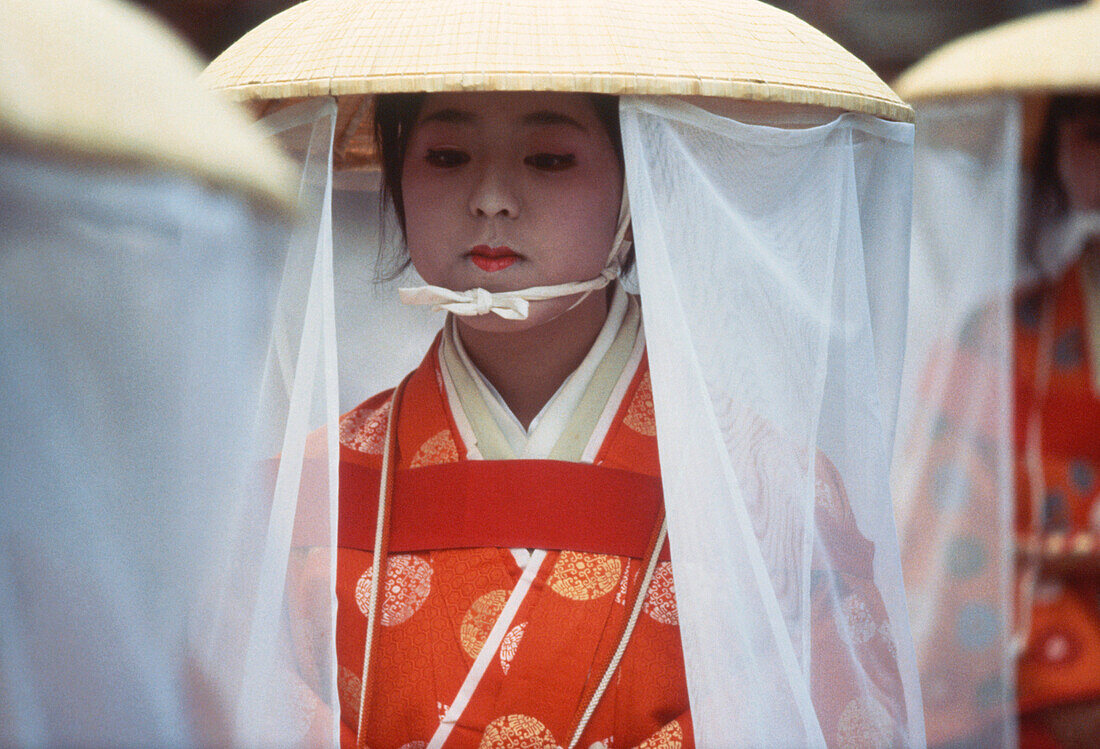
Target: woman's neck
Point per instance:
(528, 367)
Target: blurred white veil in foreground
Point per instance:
(137, 265)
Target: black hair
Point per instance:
(1048, 200)
(395, 115)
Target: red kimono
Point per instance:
(1061, 663)
(484, 644)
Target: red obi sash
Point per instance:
(534, 504)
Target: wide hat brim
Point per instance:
(118, 88)
(740, 49)
(1056, 52)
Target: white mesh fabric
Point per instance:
(774, 342)
(953, 472)
(772, 265)
(128, 362)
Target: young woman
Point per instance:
(508, 532)
(526, 523)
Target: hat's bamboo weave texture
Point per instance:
(729, 48)
(1047, 53)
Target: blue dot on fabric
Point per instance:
(977, 626)
(1067, 349)
(941, 426)
(991, 692)
(950, 486)
(1027, 311)
(1082, 476)
(966, 557)
(1055, 515)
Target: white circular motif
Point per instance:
(350, 687)
(624, 586)
(864, 724)
(860, 622)
(1056, 648)
(825, 496)
(364, 429)
(408, 582)
(414, 745)
(509, 645)
(660, 603)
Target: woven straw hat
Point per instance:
(352, 49)
(1047, 53)
(119, 88)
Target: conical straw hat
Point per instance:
(728, 48)
(96, 79)
(1047, 53)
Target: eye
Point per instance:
(550, 162)
(446, 158)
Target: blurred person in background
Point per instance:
(997, 479)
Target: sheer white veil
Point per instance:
(954, 465)
(772, 263)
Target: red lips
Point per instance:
(492, 259)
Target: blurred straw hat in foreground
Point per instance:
(123, 91)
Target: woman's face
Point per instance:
(509, 190)
(1079, 158)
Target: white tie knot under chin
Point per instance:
(467, 303)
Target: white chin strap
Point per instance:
(514, 305)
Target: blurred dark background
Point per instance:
(889, 35)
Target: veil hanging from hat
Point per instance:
(128, 362)
(954, 469)
(771, 262)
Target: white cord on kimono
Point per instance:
(618, 656)
(376, 562)
(514, 305)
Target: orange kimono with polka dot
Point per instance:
(483, 646)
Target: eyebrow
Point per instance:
(550, 117)
(453, 116)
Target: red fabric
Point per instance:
(508, 504)
(1061, 663)
(439, 604)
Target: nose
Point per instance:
(494, 194)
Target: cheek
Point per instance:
(428, 219)
(589, 214)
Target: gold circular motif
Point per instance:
(864, 724)
(660, 603)
(479, 620)
(517, 732)
(581, 576)
(408, 583)
(439, 448)
(671, 736)
(639, 416)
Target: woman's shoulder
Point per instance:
(363, 428)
